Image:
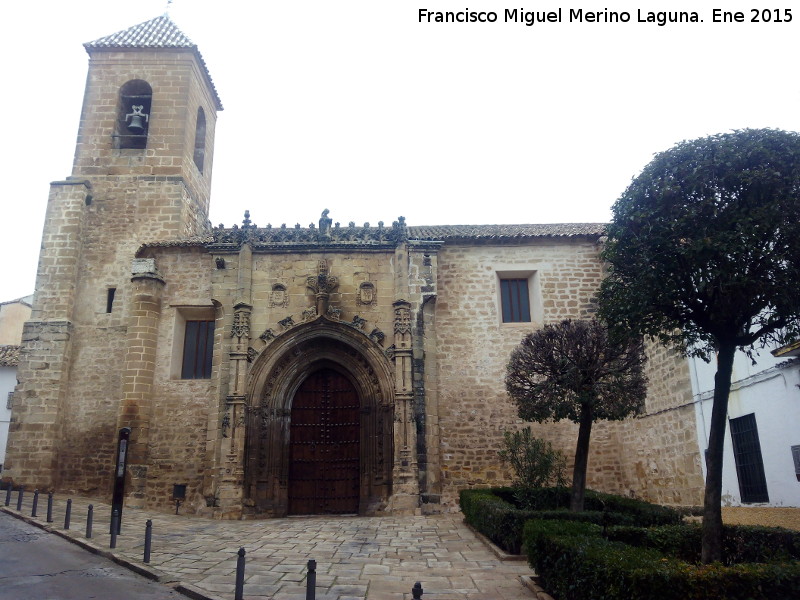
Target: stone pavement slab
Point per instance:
(358, 558)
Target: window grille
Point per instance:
(198, 347)
(515, 301)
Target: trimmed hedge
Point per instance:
(740, 543)
(575, 563)
(642, 513)
(493, 512)
(495, 518)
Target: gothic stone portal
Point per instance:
(320, 424)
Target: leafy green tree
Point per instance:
(574, 370)
(704, 254)
(535, 462)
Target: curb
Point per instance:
(501, 554)
(186, 589)
(532, 583)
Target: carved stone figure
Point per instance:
(279, 296)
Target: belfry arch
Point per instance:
(277, 374)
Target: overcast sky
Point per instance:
(358, 107)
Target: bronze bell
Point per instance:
(136, 125)
(138, 119)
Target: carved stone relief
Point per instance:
(366, 294)
(279, 297)
(402, 317)
(241, 321)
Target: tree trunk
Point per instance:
(712, 507)
(581, 459)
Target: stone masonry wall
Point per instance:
(45, 356)
(124, 212)
(36, 419)
(181, 409)
(473, 346)
(660, 448)
(653, 456)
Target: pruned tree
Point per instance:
(704, 254)
(574, 370)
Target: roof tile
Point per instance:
(261, 237)
(9, 356)
(465, 232)
(160, 32)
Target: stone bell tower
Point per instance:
(141, 173)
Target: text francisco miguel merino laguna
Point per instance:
(576, 15)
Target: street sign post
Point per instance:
(119, 477)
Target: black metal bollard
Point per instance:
(50, 507)
(19, 497)
(114, 523)
(68, 513)
(239, 592)
(416, 591)
(89, 516)
(311, 580)
(35, 502)
(148, 539)
(8, 493)
(119, 521)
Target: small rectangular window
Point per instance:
(10, 400)
(110, 299)
(515, 301)
(198, 347)
(747, 455)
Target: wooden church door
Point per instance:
(324, 446)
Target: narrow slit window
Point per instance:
(200, 139)
(198, 348)
(111, 292)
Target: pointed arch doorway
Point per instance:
(356, 368)
(324, 447)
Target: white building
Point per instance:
(13, 315)
(761, 464)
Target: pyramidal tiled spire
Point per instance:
(160, 32)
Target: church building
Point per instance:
(329, 368)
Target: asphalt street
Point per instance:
(37, 565)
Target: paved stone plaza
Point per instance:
(374, 558)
